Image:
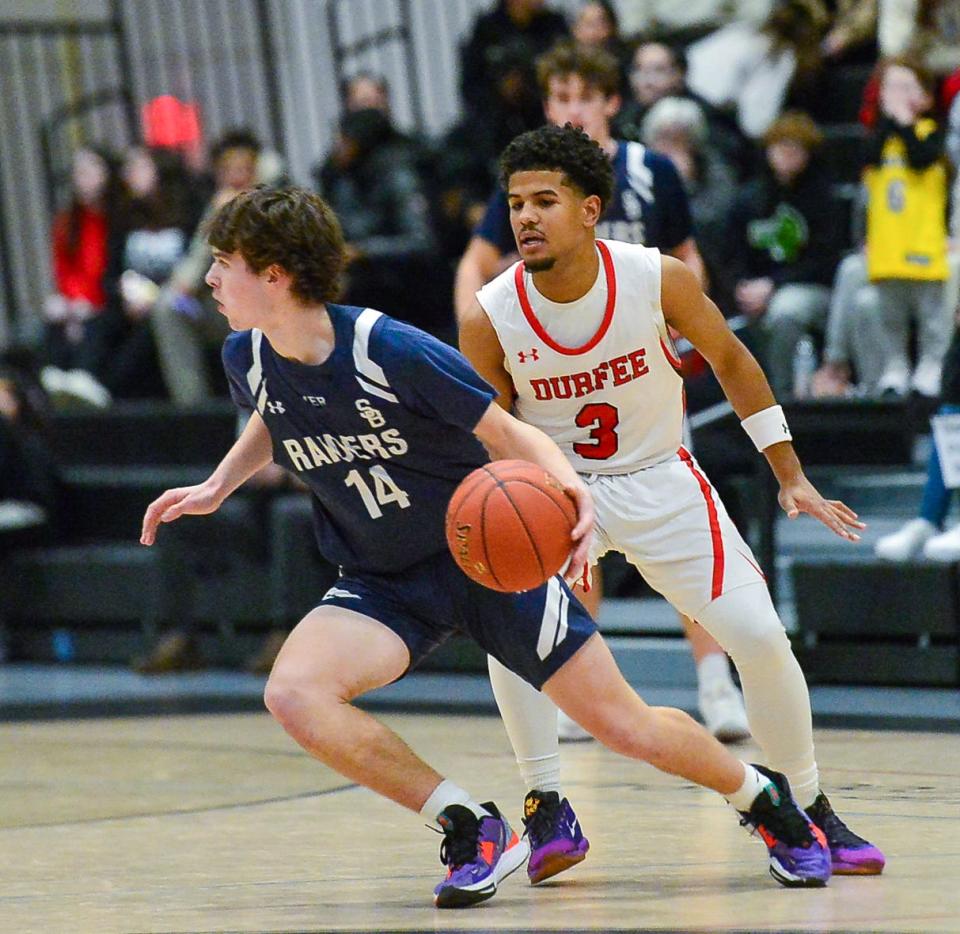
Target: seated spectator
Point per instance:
(74, 332)
(373, 184)
(906, 246)
(186, 325)
(677, 128)
(150, 236)
(783, 245)
(924, 534)
(596, 25)
(515, 31)
(855, 348)
(658, 71)
(755, 69)
(28, 477)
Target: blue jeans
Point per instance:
(936, 497)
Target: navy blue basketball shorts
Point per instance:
(531, 633)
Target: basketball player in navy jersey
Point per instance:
(649, 206)
(382, 422)
(576, 339)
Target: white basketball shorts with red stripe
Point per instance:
(669, 522)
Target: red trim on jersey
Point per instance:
(539, 329)
(675, 362)
(716, 587)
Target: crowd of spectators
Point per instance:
(736, 96)
(719, 119)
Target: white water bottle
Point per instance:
(804, 366)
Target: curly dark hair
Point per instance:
(565, 149)
(291, 227)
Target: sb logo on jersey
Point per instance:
(523, 356)
(372, 416)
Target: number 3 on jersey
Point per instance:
(384, 491)
(602, 420)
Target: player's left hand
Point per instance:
(801, 496)
(582, 533)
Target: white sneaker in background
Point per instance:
(894, 380)
(907, 542)
(569, 730)
(926, 378)
(944, 547)
(721, 706)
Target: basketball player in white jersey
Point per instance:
(649, 206)
(575, 338)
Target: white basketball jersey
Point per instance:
(599, 375)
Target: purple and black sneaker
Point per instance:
(556, 841)
(479, 853)
(799, 855)
(851, 855)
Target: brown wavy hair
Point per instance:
(595, 67)
(290, 227)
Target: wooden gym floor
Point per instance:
(220, 823)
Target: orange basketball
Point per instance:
(509, 524)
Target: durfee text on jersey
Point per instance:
(599, 375)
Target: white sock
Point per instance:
(530, 719)
(541, 774)
(746, 794)
(714, 669)
(445, 794)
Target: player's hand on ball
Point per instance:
(199, 500)
(582, 533)
(802, 496)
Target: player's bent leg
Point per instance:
(590, 687)
(746, 623)
(332, 656)
(556, 840)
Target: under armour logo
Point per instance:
(276, 408)
(523, 356)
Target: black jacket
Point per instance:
(790, 233)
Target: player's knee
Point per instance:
(745, 622)
(294, 705)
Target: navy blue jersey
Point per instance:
(381, 432)
(649, 205)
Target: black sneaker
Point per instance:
(799, 856)
(851, 855)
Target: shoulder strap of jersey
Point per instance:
(639, 176)
(255, 377)
(369, 373)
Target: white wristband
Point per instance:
(766, 427)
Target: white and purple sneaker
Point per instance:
(479, 854)
(556, 840)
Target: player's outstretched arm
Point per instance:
(687, 309)
(250, 452)
(507, 437)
